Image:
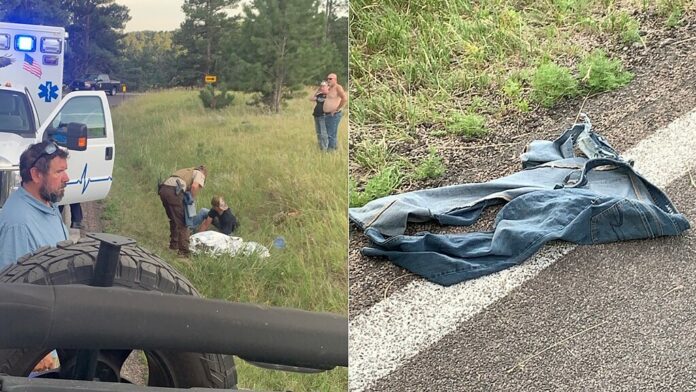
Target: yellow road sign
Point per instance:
(210, 78)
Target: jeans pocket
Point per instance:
(623, 220)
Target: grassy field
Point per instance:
(450, 68)
(277, 182)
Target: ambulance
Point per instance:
(33, 109)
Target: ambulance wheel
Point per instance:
(138, 269)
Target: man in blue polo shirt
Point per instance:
(30, 218)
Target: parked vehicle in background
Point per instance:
(96, 82)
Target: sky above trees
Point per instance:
(154, 15)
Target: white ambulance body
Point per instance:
(31, 108)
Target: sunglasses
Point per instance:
(50, 149)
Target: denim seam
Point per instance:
(674, 223)
(554, 165)
(670, 212)
(468, 207)
(596, 217)
(391, 239)
(658, 222)
(380, 213)
(523, 256)
(521, 253)
(643, 217)
(632, 178)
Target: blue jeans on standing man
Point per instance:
(332, 122)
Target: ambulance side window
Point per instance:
(84, 110)
(15, 115)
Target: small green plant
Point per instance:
(215, 100)
(430, 167)
(551, 82)
(623, 24)
(383, 184)
(355, 198)
(673, 10)
(667, 7)
(599, 73)
(472, 125)
(674, 19)
(372, 155)
(522, 105)
(478, 104)
(512, 89)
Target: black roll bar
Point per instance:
(84, 317)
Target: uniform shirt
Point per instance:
(198, 177)
(27, 224)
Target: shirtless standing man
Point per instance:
(336, 99)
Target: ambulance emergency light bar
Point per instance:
(25, 43)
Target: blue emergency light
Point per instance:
(25, 43)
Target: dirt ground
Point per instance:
(661, 91)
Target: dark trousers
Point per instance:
(75, 212)
(174, 207)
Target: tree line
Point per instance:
(272, 48)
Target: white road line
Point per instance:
(421, 313)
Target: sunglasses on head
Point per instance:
(50, 149)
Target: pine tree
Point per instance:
(147, 60)
(41, 12)
(95, 32)
(280, 49)
(336, 32)
(199, 38)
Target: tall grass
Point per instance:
(277, 182)
(424, 66)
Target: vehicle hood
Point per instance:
(11, 147)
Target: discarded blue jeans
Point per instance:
(581, 200)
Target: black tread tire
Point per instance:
(138, 269)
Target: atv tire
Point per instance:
(138, 269)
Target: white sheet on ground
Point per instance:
(215, 244)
